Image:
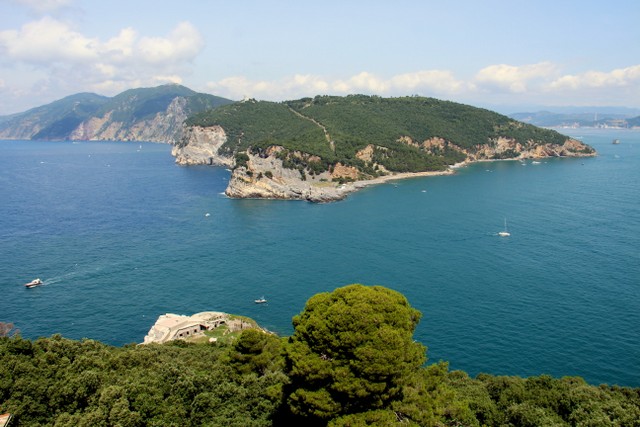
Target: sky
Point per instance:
(507, 55)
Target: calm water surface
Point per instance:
(120, 235)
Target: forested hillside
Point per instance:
(351, 361)
(396, 131)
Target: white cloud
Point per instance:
(620, 77)
(363, 82)
(498, 84)
(182, 44)
(121, 47)
(168, 79)
(238, 87)
(433, 82)
(513, 78)
(74, 61)
(47, 40)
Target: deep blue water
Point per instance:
(118, 233)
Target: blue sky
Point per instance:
(506, 55)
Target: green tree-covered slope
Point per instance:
(351, 361)
(337, 128)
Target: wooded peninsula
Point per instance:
(307, 148)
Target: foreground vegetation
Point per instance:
(351, 361)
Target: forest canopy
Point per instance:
(336, 129)
(351, 361)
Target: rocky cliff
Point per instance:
(199, 146)
(266, 177)
(164, 126)
(508, 148)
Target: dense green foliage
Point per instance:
(351, 351)
(259, 124)
(55, 381)
(350, 362)
(353, 122)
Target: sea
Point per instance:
(120, 235)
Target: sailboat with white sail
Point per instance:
(505, 232)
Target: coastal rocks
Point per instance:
(506, 148)
(503, 148)
(277, 173)
(366, 154)
(199, 146)
(345, 172)
(498, 148)
(266, 178)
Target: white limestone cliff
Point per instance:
(199, 146)
(166, 126)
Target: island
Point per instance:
(321, 149)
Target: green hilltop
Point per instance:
(137, 104)
(336, 129)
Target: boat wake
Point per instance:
(67, 274)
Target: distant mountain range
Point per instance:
(144, 114)
(585, 117)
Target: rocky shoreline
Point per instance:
(265, 177)
(243, 187)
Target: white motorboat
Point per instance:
(33, 283)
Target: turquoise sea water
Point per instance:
(120, 235)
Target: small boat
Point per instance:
(33, 283)
(260, 300)
(615, 141)
(505, 232)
